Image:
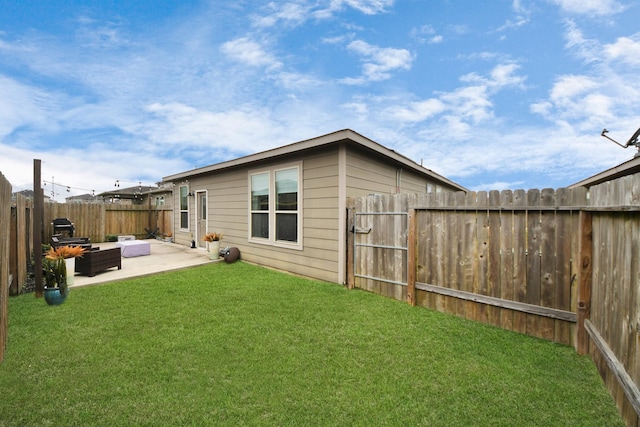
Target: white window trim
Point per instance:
(196, 208)
(180, 209)
(272, 210)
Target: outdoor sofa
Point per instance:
(98, 260)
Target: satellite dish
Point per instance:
(632, 142)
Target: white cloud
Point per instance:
(337, 39)
(178, 124)
(282, 14)
(97, 34)
(606, 89)
(417, 111)
(358, 108)
(423, 30)
(568, 87)
(587, 49)
(625, 50)
(498, 185)
(426, 34)
(497, 153)
(513, 24)
(578, 98)
(21, 105)
(590, 7)
(97, 167)
(249, 52)
(501, 75)
(368, 7)
(379, 62)
(469, 104)
(297, 81)
(588, 100)
(518, 7)
(459, 29)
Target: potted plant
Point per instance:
(57, 272)
(213, 242)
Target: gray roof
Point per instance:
(627, 168)
(345, 135)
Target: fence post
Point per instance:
(411, 256)
(5, 218)
(584, 287)
(350, 244)
(14, 286)
(38, 211)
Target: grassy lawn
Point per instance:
(236, 344)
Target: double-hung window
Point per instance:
(276, 206)
(184, 207)
(260, 205)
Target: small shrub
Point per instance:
(112, 238)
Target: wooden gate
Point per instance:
(380, 245)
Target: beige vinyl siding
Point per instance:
(320, 216)
(228, 213)
(412, 183)
(226, 203)
(228, 210)
(367, 174)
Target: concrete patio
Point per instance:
(164, 257)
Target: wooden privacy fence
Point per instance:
(503, 258)
(561, 265)
(95, 221)
(21, 242)
(613, 320)
(5, 220)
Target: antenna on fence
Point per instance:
(633, 141)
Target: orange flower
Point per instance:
(63, 252)
(212, 237)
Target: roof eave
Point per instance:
(334, 137)
(626, 168)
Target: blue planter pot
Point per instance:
(53, 296)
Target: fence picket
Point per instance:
(520, 258)
(5, 231)
(459, 227)
(564, 270)
(533, 259)
(482, 253)
(506, 257)
(548, 260)
(470, 254)
(494, 259)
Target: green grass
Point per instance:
(236, 344)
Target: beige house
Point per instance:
(286, 208)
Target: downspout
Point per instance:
(398, 180)
(342, 213)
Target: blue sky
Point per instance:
(491, 94)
